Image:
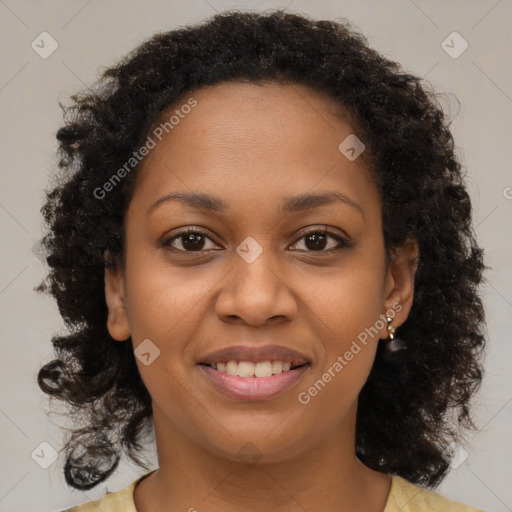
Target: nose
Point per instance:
(256, 292)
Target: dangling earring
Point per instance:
(393, 344)
(390, 328)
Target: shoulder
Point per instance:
(112, 501)
(405, 496)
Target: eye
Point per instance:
(316, 240)
(192, 240)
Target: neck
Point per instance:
(326, 477)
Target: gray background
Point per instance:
(93, 34)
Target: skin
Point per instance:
(252, 146)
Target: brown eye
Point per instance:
(193, 240)
(196, 240)
(318, 240)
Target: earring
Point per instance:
(393, 344)
(390, 328)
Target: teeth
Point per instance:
(263, 369)
(245, 369)
(231, 367)
(277, 366)
(250, 369)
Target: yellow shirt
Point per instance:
(403, 497)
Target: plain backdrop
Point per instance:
(92, 35)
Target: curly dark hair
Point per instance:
(416, 400)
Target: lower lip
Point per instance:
(253, 388)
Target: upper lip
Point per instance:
(256, 354)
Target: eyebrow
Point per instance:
(291, 204)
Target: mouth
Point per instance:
(254, 373)
(259, 370)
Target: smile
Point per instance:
(246, 380)
(253, 369)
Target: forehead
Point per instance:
(253, 111)
(259, 138)
(257, 96)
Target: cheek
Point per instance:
(347, 300)
(349, 305)
(165, 306)
(343, 368)
(163, 301)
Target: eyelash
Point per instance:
(343, 243)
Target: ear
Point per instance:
(117, 322)
(399, 288)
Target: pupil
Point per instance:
(193, 241)
(316, 238)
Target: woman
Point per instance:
(261, 241)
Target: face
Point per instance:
(277, 276)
